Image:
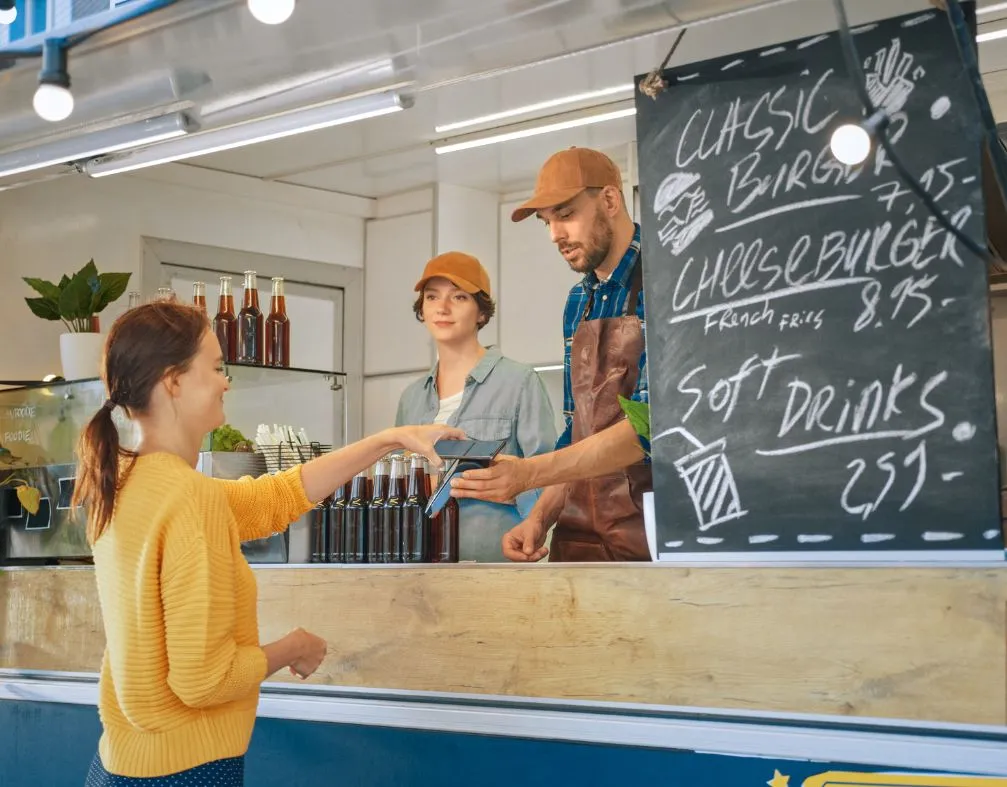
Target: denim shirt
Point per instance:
(502, 400)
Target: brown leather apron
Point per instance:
(602, 518)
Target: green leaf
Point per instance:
(64, 281)
(44, 288)
(112, 286)
(43, 307)
(638, 414)
(75, 299)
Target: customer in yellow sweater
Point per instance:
(182, 665)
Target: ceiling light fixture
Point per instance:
(989, 9)
(538, 107)
(8, 12)
(271, 12)
(532, 131)
(993, 35)
(97, 143)
(53, 100)
(251, 133)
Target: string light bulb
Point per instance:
(8, 12)
(53, 100)
(851, 142)
(271, 12)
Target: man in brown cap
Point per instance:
(594, 482)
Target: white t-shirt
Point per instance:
(448, 407)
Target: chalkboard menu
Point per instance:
(819, 352)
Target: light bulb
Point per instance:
(53, 102)
(7, 15)
(271, 12)
(850, 144)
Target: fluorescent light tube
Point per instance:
(993, 35)
(251, 133)
(554, 367)
(529, 108)
(991, 9)
(96, 143)
(492, 139)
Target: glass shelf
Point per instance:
(242, 375)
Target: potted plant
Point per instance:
(76, 301)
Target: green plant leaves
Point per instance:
(76, 298)
(638, 414)
(111, 288)
(44, 308)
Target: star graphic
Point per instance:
(779, 780)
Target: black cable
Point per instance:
(849, 48)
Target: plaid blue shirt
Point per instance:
(609, 301)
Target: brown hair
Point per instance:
(487, 308)
(144, 344)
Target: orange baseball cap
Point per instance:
(565, 175)
(462, 270)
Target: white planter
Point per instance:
(80, 354)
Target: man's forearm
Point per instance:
(600, 454)
(549, 505)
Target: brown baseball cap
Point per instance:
(565, 175)
(462, 270)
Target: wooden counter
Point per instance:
(911, 643)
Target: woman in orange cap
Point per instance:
(488, 396)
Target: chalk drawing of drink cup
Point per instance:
(682, 210)
(708, 480)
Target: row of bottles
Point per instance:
(247, 337)
(379, 517)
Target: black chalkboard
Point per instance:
(819, 352)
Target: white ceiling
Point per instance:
(393, 154)
(464, 58)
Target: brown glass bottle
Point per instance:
(319, 520)
(278, 328)
(225, 324)
(337, 524)
(392, 511)
(250, 324)
(415, 525)
(199, 295)
(376, 551)
(444, 534)
(355, 521)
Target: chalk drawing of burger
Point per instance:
(682, 210)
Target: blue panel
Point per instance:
(16, 31)
(52, 745)
(39, 22)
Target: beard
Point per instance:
(596, 250)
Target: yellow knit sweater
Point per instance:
(182, 665)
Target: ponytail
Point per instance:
(143, 345)
(98, 472)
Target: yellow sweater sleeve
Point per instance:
(268, 504)
(206, 666)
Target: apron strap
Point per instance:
(632, 300)
(636, 284)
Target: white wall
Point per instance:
(467, 220)
(397, 348)
(53, 228)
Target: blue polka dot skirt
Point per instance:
(219, 773)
